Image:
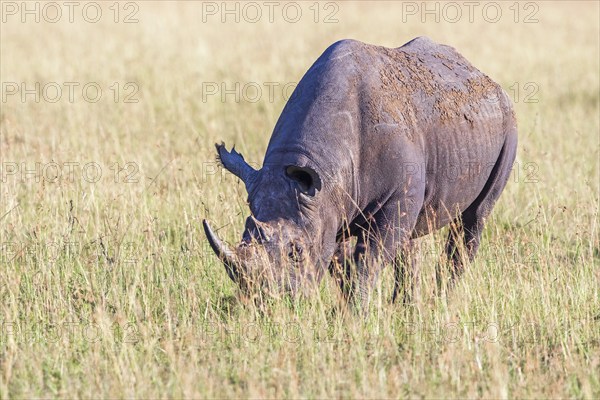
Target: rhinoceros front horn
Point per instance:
(225, 254)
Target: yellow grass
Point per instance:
(108, 287)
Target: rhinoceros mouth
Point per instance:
(260, 264)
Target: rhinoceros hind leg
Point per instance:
(471, 222)
(467, 230)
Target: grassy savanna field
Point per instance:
(108, 287)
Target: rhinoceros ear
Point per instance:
(234, 162)
(307, 180)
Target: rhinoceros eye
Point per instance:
(295, 252)
(306, 179)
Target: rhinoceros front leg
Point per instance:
(377, 246)
(407, 273)
(387, 234)
(340, 267)
(370, 256)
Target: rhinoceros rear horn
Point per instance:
(234, 162)
(225, 254)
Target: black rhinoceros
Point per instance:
(378, 144)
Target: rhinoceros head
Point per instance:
(282, 246)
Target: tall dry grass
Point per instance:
(107, 285)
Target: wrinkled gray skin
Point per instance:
(384, 145)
